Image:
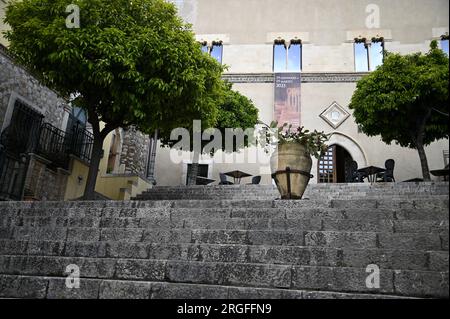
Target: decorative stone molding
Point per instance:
(335, 115)
(306, 77)
(288, 36)
(355, 150)
(439, 32)
(369, 34)
(210, 38)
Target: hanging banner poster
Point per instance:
(287, 98)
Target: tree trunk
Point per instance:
(423, 162)
(192, 179)
(97, 149)
(420, 147)
(89, 191)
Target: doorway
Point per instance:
(203, 170)
(335, 166)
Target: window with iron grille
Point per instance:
(23, 131)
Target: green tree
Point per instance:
(235, 111)
(129, 63)
(406, 101)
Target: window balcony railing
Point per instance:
(57, 145)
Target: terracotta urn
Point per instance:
(291, 169)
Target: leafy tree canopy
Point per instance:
(393, 100)
(132, 62)
(406, 100)
(129, 63)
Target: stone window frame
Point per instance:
(10, 109)
(368, 44)
(287, 45)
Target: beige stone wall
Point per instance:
(327, 29)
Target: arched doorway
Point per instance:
(335, 165)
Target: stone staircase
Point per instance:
(228, 249)
(314, 191)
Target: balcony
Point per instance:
(57, 145)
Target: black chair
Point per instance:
(223, 180)
(388, 175)
(354, 175)
(256, 180)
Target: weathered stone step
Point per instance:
(335, 239)
(337, 279)
(431, 203)
(295, 255)
(308, 223)
(400, 213)
(36, 287)
(314, 191)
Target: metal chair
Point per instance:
(223, 180)
(256, 180)
(354, 175)
(388, 175)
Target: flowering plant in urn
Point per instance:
(291, 163)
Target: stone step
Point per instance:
(313, 222)
(336, 279)
(295, 255)
(431, 203)
(314, 191)
(40, 287)
(174, 214)
(334, 239)
(440, 187)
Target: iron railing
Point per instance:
(57, 145)
(81, 142)
(53, 145)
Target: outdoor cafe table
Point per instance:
(204, 181)
(237, 176)
(371, 172)
(441, 173)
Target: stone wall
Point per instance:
(41, 183)
(17, 82)
(134, 153)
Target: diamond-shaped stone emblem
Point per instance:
(335, 115)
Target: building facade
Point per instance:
(326, 46)
(46, 144)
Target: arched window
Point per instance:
(444, 44)
(279, 56)
(205, 48)
(217, 51)
(368, 56)
(287, 58)
(295, 56)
